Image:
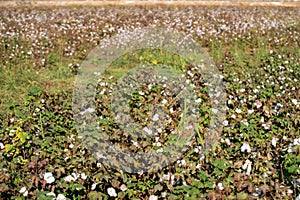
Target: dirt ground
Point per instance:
(149, 2)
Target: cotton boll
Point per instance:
(245, 147)
(112, 192)
(48, 177)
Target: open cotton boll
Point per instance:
(49, 178)
(112, 192)
(245, 148)
(153, 197)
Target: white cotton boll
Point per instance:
(12, 120)
(90, 110)
(123, 187)
(227, 141)
(250, 111)
(24, 191)
(265, 175)
(244, 167)
(220, 186)
(147, 130)
(155, 117)
(160, 150)
(82, 151)
(256, 91)
(249, 167)
(171, 110)
(183, 162)
(296, 141)
(112, 192)
(198, 100)
(75, 175)
(94, 185)
(25, 194)
(274, 141)
(190, 73)
(156, 139)
(257, 192)
(243, 100)
(190, 127)
(102, 91)
(96, 73)
(284, 138)
(61, 197)
(262, 120)
(266, 127)
(289, 191)
(48, 177)
(51, 194)
(164, 101)
(215, 111)
(245, 123)
(278, 106)
(168, 177)
(290, 149)
(69, 178)
(225, 123)
(258, 105)
(153, 197)
(245, 147)
(102, 84)
(83, 176)
(295, 102)
(158, 144)
(135, 143)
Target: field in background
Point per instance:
(256, 49)
(150, 2)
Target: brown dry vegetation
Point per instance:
(133, 3)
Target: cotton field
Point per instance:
(256, 154)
